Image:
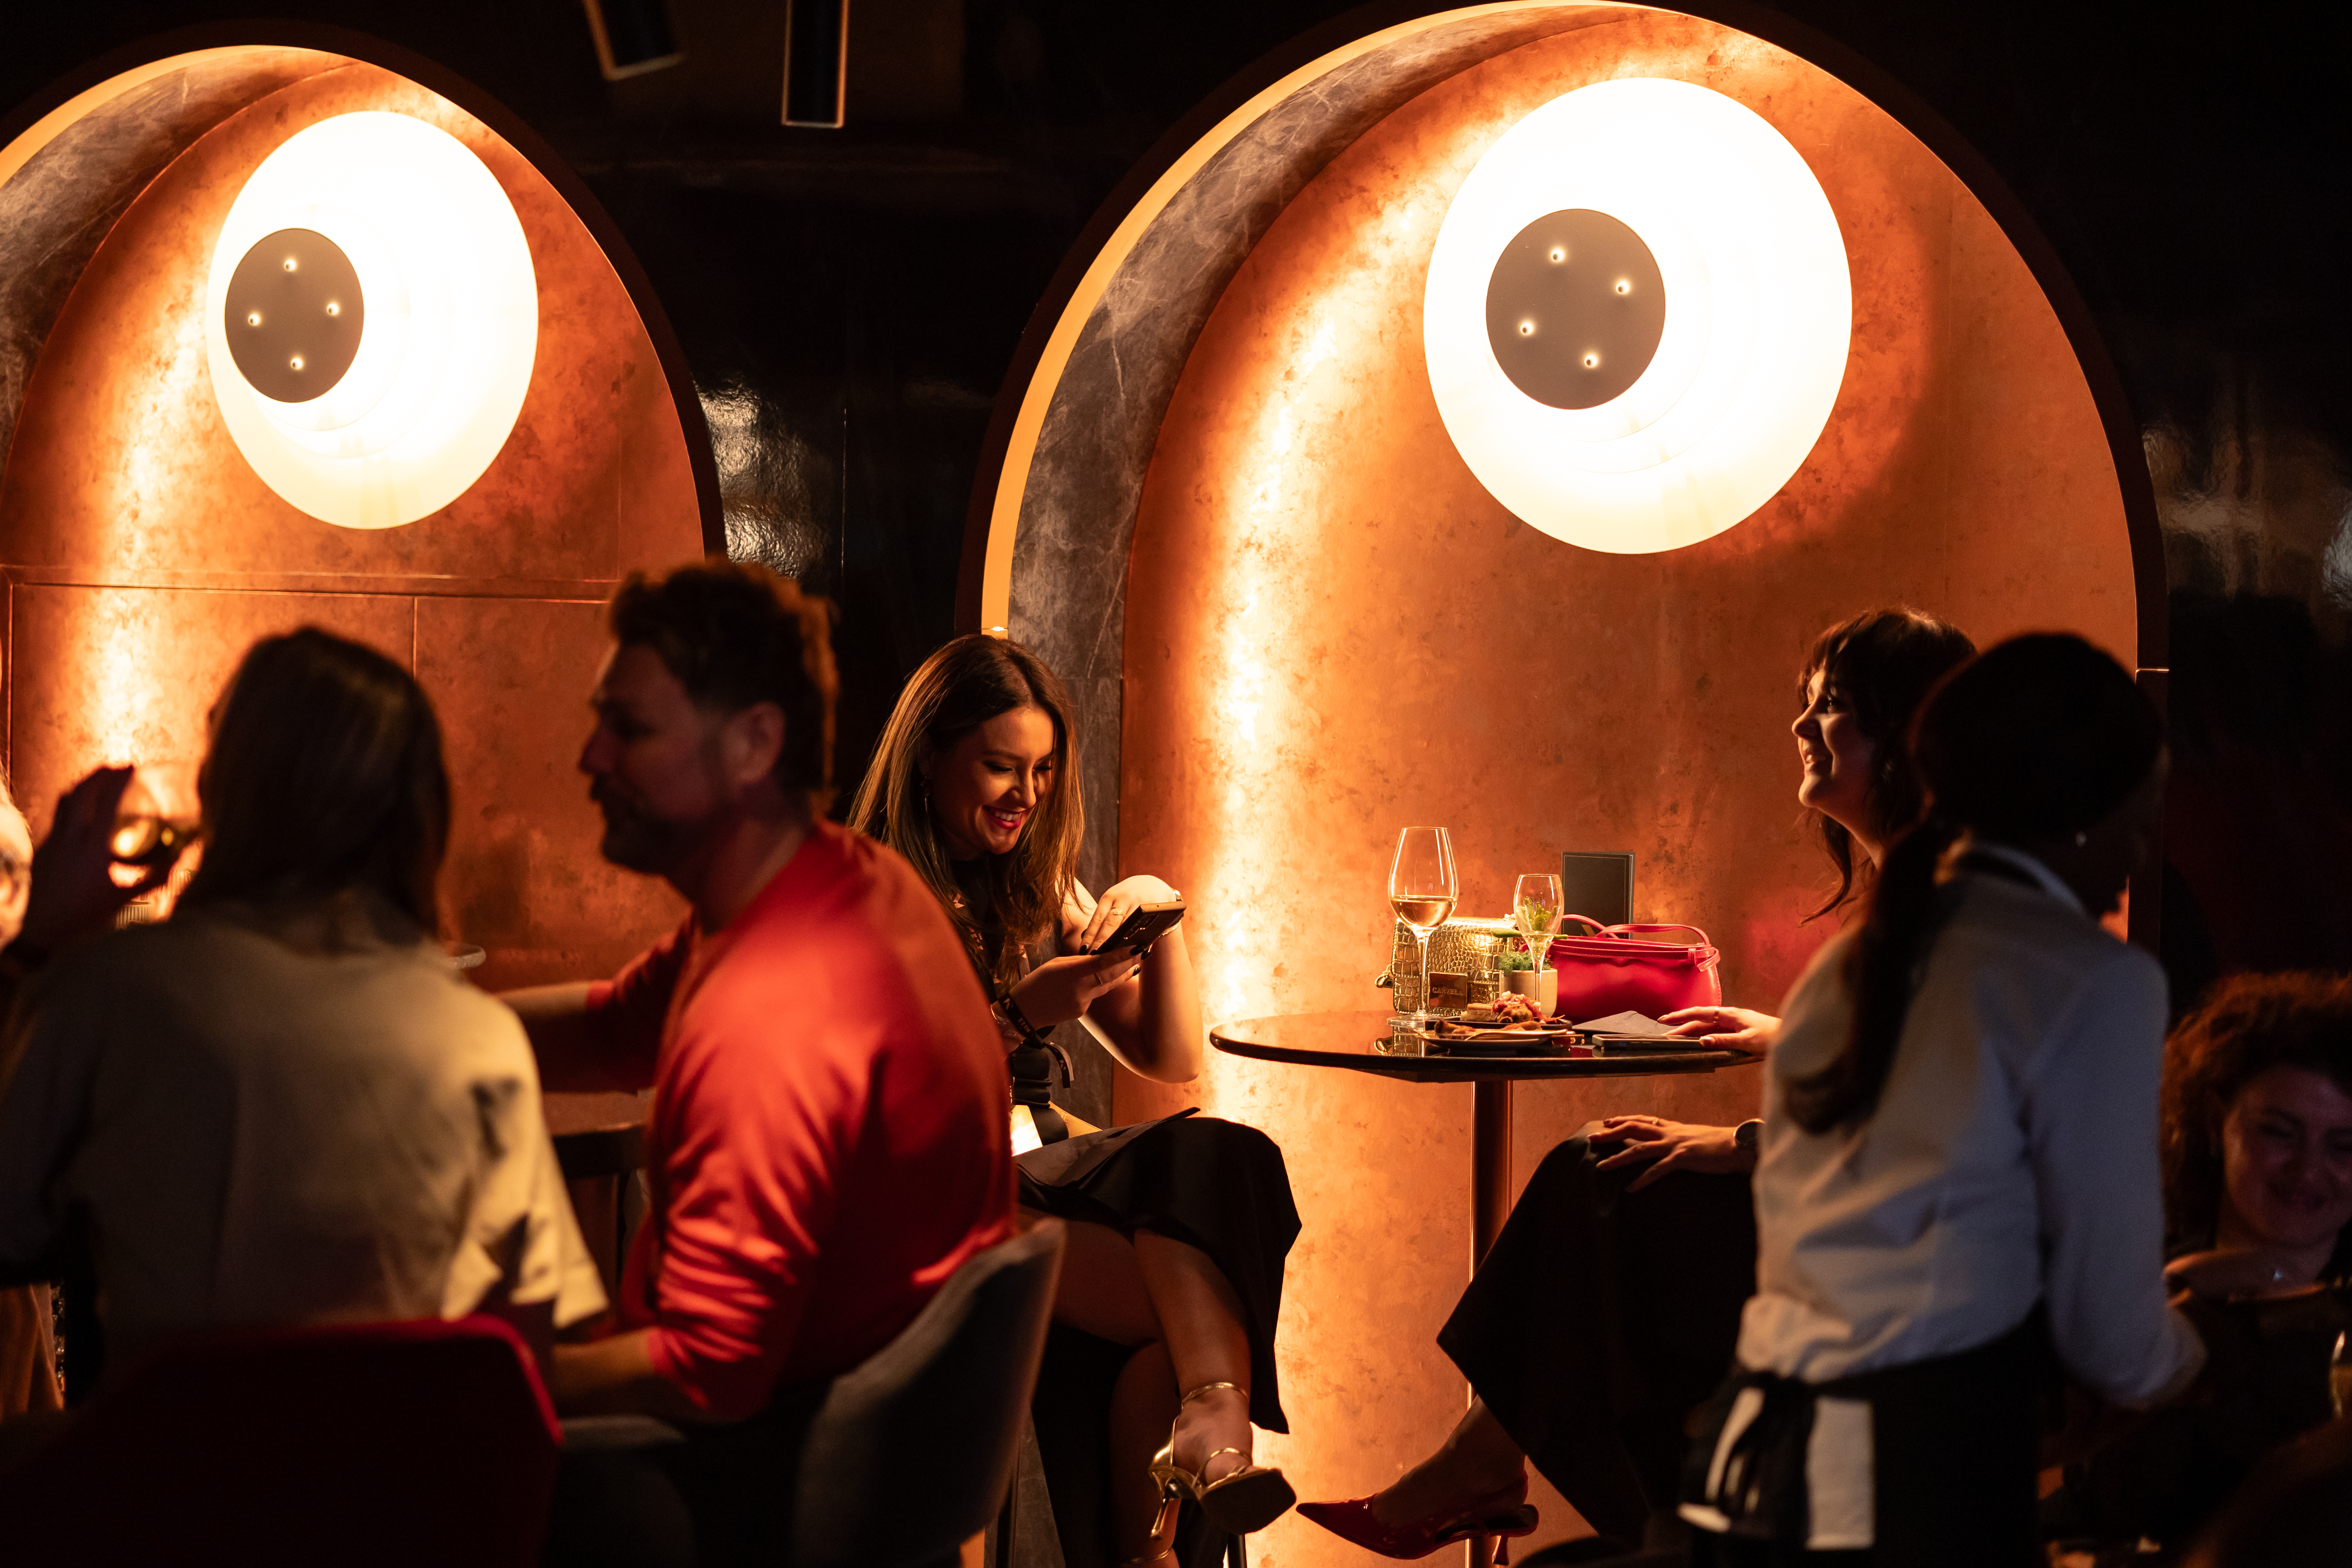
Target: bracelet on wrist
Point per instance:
(1013, 1015)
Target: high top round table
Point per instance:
(1346, 1041)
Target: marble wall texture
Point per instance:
(142, 555)
(1331, 630)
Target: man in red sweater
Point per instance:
(827, 1142)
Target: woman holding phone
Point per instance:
(1179, 1228)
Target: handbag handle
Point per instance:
(1625, 933)
(1702, 952)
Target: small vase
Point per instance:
(1540, 987)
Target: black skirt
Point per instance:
(1600, 1319)
(1214, 1185)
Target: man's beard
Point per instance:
(637, 842)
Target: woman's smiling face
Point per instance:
(985, 787)
(2286, 1157)
(1837, 758)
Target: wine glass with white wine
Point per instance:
(1423, 889)
(1535, 910)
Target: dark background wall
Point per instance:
(850, 301)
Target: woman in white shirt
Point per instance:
(1607, 1308)
(1958, 1167)
(285, 1105)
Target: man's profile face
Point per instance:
(653, 763)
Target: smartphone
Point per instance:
(1144, 925)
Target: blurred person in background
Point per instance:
(28, 1360)
(2257, 1146)
(284, 1105)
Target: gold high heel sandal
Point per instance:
(1238, 1503)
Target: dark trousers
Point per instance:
(1602, 1319)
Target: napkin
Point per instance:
(1635, 1025)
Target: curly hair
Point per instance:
(2251, 1023)
(735, 634)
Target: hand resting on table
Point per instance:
(1726, 1029)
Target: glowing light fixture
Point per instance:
(1637, 315)
(371, 320)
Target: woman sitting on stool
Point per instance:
(1608, 1306)
(1179, 1227)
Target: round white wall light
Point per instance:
(1637, 315)
(371, 320)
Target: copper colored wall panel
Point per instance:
(1333, 631)
(124, 499)
(129, 674)
(122, 460)
(510, 680)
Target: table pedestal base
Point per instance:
(1490, 1202)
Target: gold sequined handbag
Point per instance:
(1461, 950)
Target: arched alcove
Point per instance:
(1230, 512)
(142, 553)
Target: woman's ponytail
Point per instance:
(1879, 967)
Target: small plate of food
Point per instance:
(1506, 1025)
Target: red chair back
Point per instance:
(378, 1443)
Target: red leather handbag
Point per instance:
(1614, 971)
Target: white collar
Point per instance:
(2043, 876)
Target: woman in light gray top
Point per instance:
(285, 1105)
(1959, 1169)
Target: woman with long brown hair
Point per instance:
(285, 1105)
(1179, 1227)
(1607, 1308)
(1959, 1164)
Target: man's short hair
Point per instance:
(735, 634)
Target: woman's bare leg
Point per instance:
(1102, 1293)
(1102, 1288)
(1476, 1459)
(1201, 1323)
(1170, 1300)
(1142, 1403)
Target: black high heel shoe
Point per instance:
(1238, 1503)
